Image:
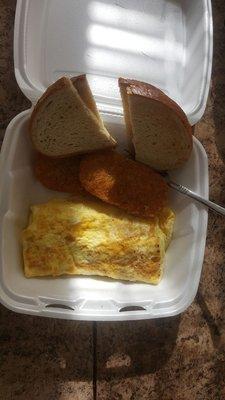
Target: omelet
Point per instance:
(88, 237)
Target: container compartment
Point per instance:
(165, 42)
(88, 297)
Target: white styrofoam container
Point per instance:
(165, 42)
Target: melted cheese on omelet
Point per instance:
(92, 238)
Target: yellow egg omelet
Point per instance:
(87, 237)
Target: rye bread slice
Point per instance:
(82, 86)
(61, 125)
(158, 127)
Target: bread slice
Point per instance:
(123, 84)
(158, 127)
(61, 124)
(81, 85)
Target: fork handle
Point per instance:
(188, 192)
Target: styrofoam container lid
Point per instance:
(165, 43)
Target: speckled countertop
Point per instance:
(178, 358)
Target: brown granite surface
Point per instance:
(172, 359)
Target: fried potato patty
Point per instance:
(128, 184)
(58, 174)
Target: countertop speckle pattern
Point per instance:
(44, 359)
(172, 359)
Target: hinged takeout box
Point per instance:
(166, 43)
